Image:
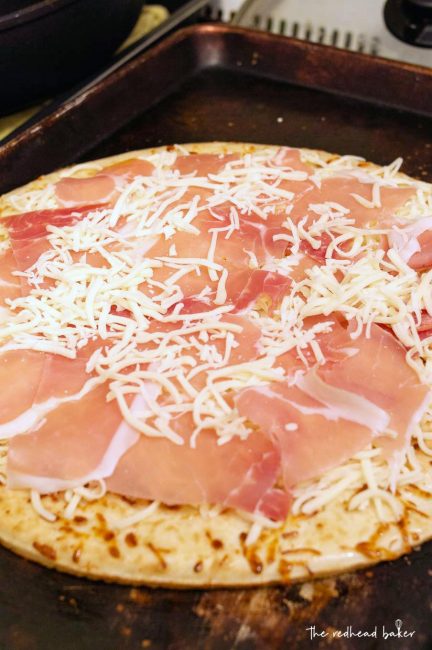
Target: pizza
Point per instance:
(216, 366)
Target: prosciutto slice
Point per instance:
(62, 418)
(310, 436)
(72, 446)
(380, 373)
(72, 192)
(425, 327)
(17, 396)
(64, 432)
(231, 247)
(101, 187)
(42, 381)
(202, 164)
(413, 242)
(244, 288)
(130, 168)
(363, 393)
(240, 474)
(10, 285)
(344, 191)
(29, 234)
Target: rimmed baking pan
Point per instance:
(215, 82)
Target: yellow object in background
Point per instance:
(151, 16)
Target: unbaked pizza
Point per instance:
(216, 365)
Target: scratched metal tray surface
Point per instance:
(214, 82)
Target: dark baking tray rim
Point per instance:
(43, 609)
(73, 129)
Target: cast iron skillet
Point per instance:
(49, 45)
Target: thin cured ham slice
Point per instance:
(63, 431)
(233, 241)
(65, 414)
(239, 474)
(321, 253)
(317, 254)
(331, 337)
(102, 187)
(243, 473)
(239, 347)
(323, 417)
(413, 242)
(29, 234)
(311, 438)
(10, 285)
(17, 396)
(380, 373)
(9, 282)
(344, 191)
(202, 164)
(25, 366)
(75, 443)
(231, 246)
(373, 367)
(71, 192)
(245, 288)
(291, 157)
(41, 382)
(425, 327)
(130, 168)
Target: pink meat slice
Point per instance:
(291, 157)
(102, 187)
(38, 378)
(72, 192)
(17, 395)
(65, 430)
(413, 242)
(254, 237)
(340, 189)
(202, 164)
(206, 165)
(243, 474)
(130, 168)
(424, 329)
(240, 473)
(24, 366)
(69, 446)
(254, 234)
(422, 260)
(49, 454)
(10, 286)
(381, 374)
(310, 440)
(244, 288)
(312, 435)
(245, 346)
(29, 235)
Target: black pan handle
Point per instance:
(187, 11)
(410, 21)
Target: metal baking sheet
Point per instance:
(214, 82)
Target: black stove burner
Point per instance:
(410, 21)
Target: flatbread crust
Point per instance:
(186, 547)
